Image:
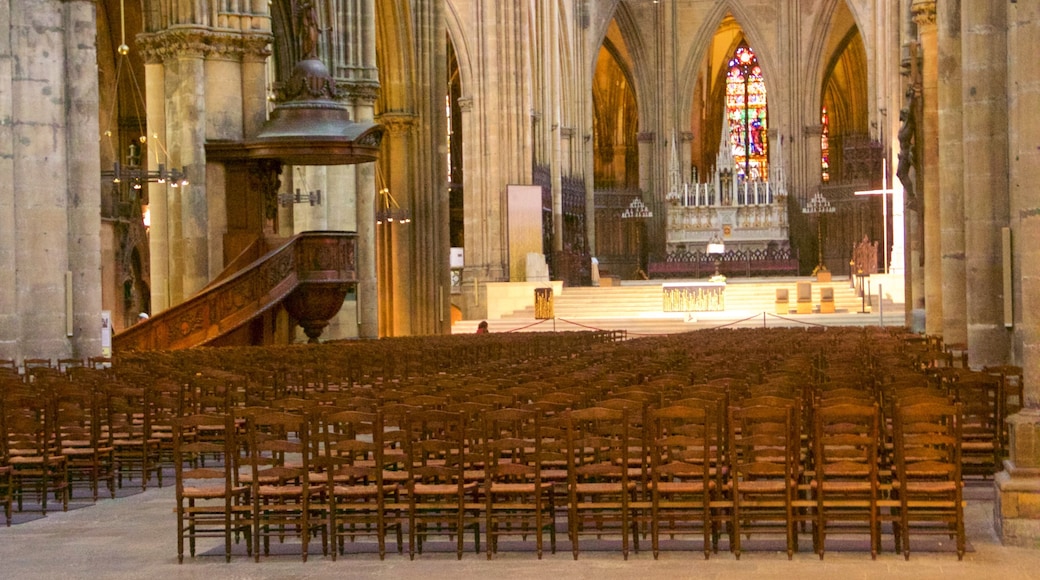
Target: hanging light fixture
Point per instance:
(388, 210)
(637, 210)
(132, 171)
(312, 197)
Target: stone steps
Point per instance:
(646, 299)
(637, 308)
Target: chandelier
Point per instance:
(637, 210)
(133, 173)
(818, 205)
(388, 210)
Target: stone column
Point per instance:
(646, 153)
(1017, 509)
(367, 289)
(42, 194)
(924, 16)
(951, 185)
(84, 239)
(254, 83)
(159, 197)
(10, 324)
(186, 130)
(308, 217)
(985, 78)
(180, 123)
(396, 254)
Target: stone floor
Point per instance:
(134, 537)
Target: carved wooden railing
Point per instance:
(310, 274)
(747, 263)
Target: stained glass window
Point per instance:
(746, 112)
(825, 146)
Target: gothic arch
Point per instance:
(639, 51)
(816, 64)
(395, 56)
(463, 52)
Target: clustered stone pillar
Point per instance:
(50, 194)
(951, 185)
(983, 28)
(924, 16)
(1017, 509)
(395, 247)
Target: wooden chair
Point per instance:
(438, 494)
(130, 428)
(280, 465)
(350, 463)
(32, 366)
(681, 442)
(6, 482)
(927, 482)
(763, 478)
(88, 451)
(38, 468)
(845, 481)
(209, 502)
(981, 432)
(519, 500)
(598, 486)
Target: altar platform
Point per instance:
(639, 308)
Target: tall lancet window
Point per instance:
(746, 112)
(825, 146)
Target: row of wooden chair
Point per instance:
(341, 474)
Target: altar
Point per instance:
(694, 296)
(747, 214)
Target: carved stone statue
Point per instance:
(308, 27)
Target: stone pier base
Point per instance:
(1016, 511)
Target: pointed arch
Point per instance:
(460, 42)
(395, 56)
(707, 63)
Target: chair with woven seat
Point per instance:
(982, 453)
(763, 475)
(927, 483)
(87, 449)
(351, 464)
(682, 442)
(280, 457)
(439, 497)
(6, 482)
(518, 500)
(598, 487)
(845, 481)
(210, 504)
(130, 429)
(33, 442)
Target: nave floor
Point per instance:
(134, 537)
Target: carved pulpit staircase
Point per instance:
(312, 272)
(310, 275)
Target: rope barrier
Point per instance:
(734, 322)
(798, 321)
(528, 326)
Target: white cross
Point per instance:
(884, 206)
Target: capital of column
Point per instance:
(398, 123)
(466, 104)
(358, 92)
(923, 12)
(645, 137)
(197, 42)
(686, 136)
